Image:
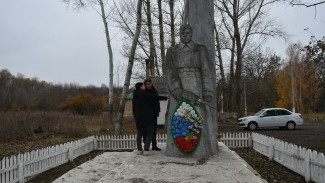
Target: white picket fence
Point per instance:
(305, 162)
(23, 167)
(236, 140)
(122, 142)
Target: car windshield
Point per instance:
(259, 112)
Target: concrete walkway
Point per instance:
(127, 167)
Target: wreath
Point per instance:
(186, 127)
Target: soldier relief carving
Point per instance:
(190, 76)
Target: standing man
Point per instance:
(143, 113)
(156, 110)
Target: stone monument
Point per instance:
(191, 75)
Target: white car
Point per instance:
(271, 117)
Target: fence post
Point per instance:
(21, 177)
(70, 153)
(271, 155)
(307, 168)
(250, 141)
(95, 143)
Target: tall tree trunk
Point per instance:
(172, 21)
(162, 38)
(219, 56)
(231, 80)
(157, 66)
(151, 40)
(129, 71)
(110, 53)
(186, 12)
(239, 60)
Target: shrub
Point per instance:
(84, 104)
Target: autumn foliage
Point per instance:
(84, 104)
(306, 88)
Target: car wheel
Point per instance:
(252, 126)
(291, 125)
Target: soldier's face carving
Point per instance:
(186, 36)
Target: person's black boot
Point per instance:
(156, 148)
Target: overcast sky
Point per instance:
(45, 39)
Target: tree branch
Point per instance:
(305, 4)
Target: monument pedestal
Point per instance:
(128, 167)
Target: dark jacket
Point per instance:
(156, 104)
(142, 108)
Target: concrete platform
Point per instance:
(127, 167)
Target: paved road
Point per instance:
(309, 135)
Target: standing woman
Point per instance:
(143, 113)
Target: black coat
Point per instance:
(142, 108)
(156, 104)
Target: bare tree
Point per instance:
(151, 40)
(129, 70)
(245, 21)
(125, 19)
(78, 4)
(172, 21)
(260, 70)
(219, 56)
(159, 28)
(162, 38)
(225, 41)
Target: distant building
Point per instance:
(128, 111)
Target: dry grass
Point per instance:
(314, 117)
(17, 129)
(17, 125)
